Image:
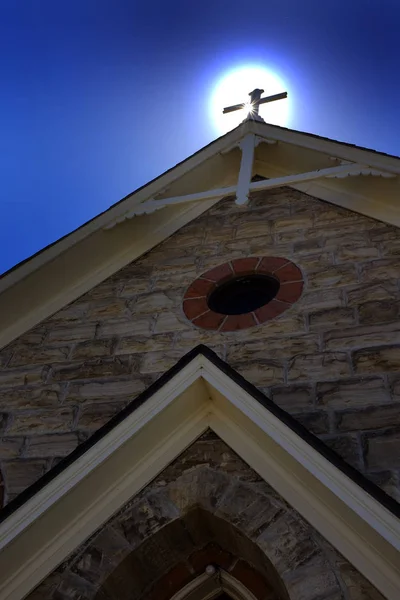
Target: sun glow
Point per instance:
(234, 88)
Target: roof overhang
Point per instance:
(59, 274)
(50, 520)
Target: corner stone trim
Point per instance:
(195, 304)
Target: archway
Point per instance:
(196, 557)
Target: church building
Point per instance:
(200, 387)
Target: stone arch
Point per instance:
(208, 507)
(180, 552)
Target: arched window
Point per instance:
(214, 584)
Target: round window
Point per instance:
(243, 293)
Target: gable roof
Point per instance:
(52, 518)
(66, 269)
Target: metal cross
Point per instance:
(255, 101)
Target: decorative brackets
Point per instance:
(245, 185)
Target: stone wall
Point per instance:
(207, 507)
(332, 360)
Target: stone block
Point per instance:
(20, 474)
(390, 247)
(219, 233)
(372, 417)
(308, 246)
(356, 252)
(314, 367)
(379, 311)
(288, 543)
(331, 317)
(362, 336)
(3, 422)
(258, 246)
(388, 481)
(347, 446)
(382, 290)
(252, 229)
(10, 378)
(352, 392)
(166, 262)
(140, 345)
(159, 362)
(51, 445)
(111, 308)
(383, 450)
(73, 587)
(261, 373)
(316, 422)
(10, 447)
(332, 277)
(41, 421)
(154, 303)
(383, 269)
(291, 323)
(93, 369)
(136, 284)
(31, 355)
(274, 348)
(312, 584)
(384, 233)
(394, 387)
(128, 327)
(118, 389)
(31, 397)
(357, 586)
(110, 288)
(102, 556)
(5, 355)
(296, 222)
(75, 333)
(34, 337)
(73, 312)
(92, 349)
(94, 416)
(293, 398)
(315, 260)
(143, 516)
(377, 360)
(321, 299)
(168, 322)
(252, 580)
(211, 554)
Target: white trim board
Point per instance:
(41, 533)
(75, 264)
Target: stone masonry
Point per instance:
(207, 507)
(332, 360)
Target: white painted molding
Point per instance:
(205, 587)
(42, 532)
(245, 186)
(34, 290)
(247, 146)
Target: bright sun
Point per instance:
(234, 88)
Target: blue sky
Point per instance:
(98, 97)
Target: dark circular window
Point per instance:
(243, 294)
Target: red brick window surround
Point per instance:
(289, 288)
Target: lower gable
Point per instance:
(331, 360)
(207, 508)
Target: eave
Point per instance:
(75, 264)
(41, 528)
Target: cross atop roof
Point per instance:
(253, 105)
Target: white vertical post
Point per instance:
(247, 146)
